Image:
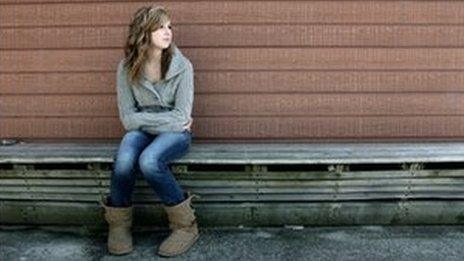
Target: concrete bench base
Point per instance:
(411, 212)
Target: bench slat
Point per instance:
(314, 153)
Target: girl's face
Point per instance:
(162, 36)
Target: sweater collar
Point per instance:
(178, 63)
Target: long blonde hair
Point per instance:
(146, 20)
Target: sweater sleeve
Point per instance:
(126, 102)
(180, 115)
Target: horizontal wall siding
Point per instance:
(215, 105)
(233, 128)
(249, 82)
(188, 12)
(243, 35)
(247, 59)
(264, 70)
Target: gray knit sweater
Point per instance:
(161, 106)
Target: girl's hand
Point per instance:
(189, 124)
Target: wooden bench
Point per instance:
(246, 184)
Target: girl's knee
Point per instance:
(152, 167)
(124, 164)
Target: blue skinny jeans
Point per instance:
(150, 154)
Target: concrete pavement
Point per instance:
(292, 243)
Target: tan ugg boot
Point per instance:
(184, 229)
(119, 235)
